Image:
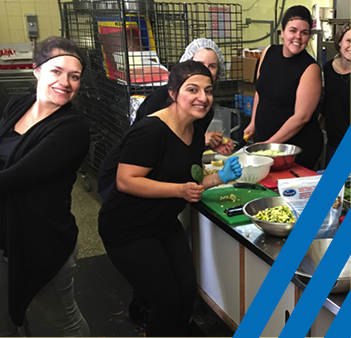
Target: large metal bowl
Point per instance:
(281, 162)
(276, 229)
(311, 260)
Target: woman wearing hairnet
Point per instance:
(207, 52)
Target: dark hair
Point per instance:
(340, 34)
(300, 12)
(44, 50)
(182, 71)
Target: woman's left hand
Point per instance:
(213, 139)
(225, 148)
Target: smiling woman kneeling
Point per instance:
(139, 222)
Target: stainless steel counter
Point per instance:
(265, 247)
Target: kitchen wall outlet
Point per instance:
(32, 25)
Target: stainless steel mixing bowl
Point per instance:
(281, 162)
(276, 229)
(311, 260)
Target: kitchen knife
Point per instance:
(233, 211)
(248, 185)
(209, 157)
(241, 143)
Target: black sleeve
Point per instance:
(154, 102)
(12, 101)
(64, 145)
(142, 146)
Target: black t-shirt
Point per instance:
(151, 144)
(154, 102)
(336, 103)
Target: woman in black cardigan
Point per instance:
(43, 140)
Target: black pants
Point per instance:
(161, 270)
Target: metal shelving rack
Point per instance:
(131, 45)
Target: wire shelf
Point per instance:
(131, 46)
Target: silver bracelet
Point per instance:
(213, 180)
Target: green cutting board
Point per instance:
(211, 199)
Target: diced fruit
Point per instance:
(224, 140)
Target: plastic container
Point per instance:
(254, 168)
(222, 121)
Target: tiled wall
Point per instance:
(264, 10)
(13, 25)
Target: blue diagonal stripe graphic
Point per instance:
(340, 326)
(321, 283)
(297, 243)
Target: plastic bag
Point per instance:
(297, 192)
(135, 102)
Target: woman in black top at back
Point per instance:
(288, 90)
(336, 101)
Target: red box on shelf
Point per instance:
(6, 66)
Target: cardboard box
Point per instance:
(248, 70)
(249, 89)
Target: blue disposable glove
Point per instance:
(231, 170)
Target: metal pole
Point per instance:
(319, 34)
(271, 24)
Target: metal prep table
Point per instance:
(232, 262)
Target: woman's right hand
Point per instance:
(250, 130)
(225, 148)
(191, 191)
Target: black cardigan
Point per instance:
(37, 230)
